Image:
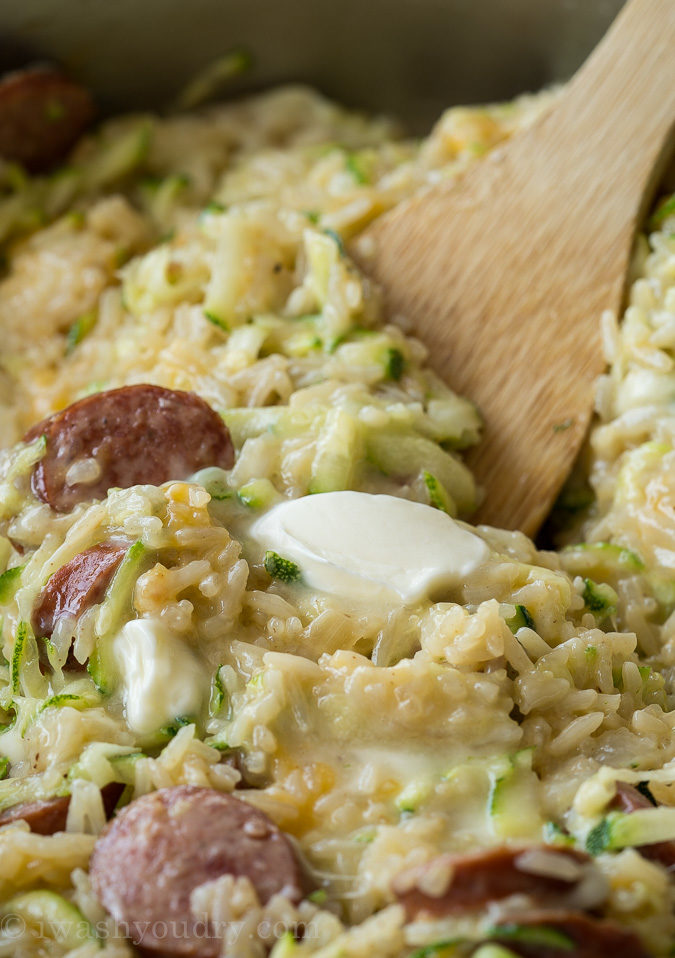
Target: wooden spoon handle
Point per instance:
(621, 106)
(505, 271)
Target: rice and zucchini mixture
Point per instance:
(466, 743)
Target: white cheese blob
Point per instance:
(161, 678)
(13, 743)
(368, 546)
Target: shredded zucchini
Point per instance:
(600, 598)
(218, 693)
(258, 494)
(438, 494)
(279, 568)
(395, 363)
(25, 675)
(338, 452)
(9, 583)
(646, 826)
(50, 916)
(116, 605)
(522, 619)
(211, 79)
(408, 455)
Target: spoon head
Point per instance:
(505, 290)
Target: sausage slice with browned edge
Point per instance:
(581, 936)
(45, 816)
(125, 437)
(165, 844)
(549, 875)
(48, 815)
(77, 585)
(42, 113)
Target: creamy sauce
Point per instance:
(161, 678)
(366, 546)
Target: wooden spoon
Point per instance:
(505, 272)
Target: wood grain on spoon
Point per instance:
(506, 271)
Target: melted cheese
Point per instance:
(161, 678)
(371, 546)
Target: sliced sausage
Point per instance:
(44, 817)
(471, 881)
(629, 799)
(165, 844)
(590, 937)
(42, 113)
(49, 815)
(123, 437)
(77, 585)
